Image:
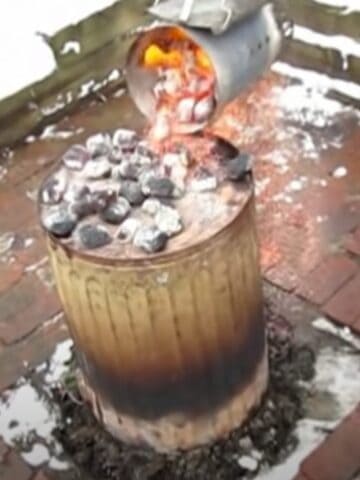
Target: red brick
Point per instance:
(300, 476)
(34, 253)
(15, 209)
(10, 274)
(35, 349)
(338, 457)
(322, 282)
(40, 476)
(33, 159)
(14, 468)
(344, 306)
(25, 307)
(269, 255)
(283, 275)
(352, 242)
(343, 221)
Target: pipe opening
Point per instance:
(171, 76)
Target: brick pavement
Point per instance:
(309, 231)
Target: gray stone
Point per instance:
(59, 220)
(76, 157)
(237, 168)
(144, 150)
(204, 181)
(125, 139)
(248, 463)
(203, 109)
(168, 221)
(116, 156)
(131, 190)
(99, 145)
(93, 236)
(97, 168)
(150, 239)
(128, 229)
(129, 170)
(53, 189)
(76, 191)
(246, 443)
(151, 206)
(92, 203)
(162, 187)
(116, 211)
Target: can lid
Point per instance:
(214, 15)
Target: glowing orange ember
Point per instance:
(156, 57)
(184, 90)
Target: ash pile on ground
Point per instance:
(267, 439)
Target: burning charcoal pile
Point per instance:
(265, 440)
(184, 89)
(119, 196)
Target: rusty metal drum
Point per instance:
(171, 347)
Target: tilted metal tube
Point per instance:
(239, 56)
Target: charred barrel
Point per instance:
(171, 343)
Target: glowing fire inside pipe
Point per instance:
(180, 77)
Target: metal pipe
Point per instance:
(239, 56)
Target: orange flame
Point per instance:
(155, 57)
(184, 72)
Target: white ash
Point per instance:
(146, 175)
(59, 220)
(177, 163)
(172, 159)
(127, 170)
(151, 206)
(99, 144)
(178, 175)
(76, 191)
(204, 109)
(54, 187)
(168, 220)
(76, 157)
(246, 443)
(130, 191)
(248, 463)
(97, 168)
(107, 187)
(150, 239)
(161, 128)
(124, 138)
(185, 110)
(340, 172)
(158, 89)
(171, 81)
(204, 184)
(128, 228)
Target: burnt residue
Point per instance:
(196, 392)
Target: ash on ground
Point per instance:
(267, 439)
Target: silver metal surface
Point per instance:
(239, 56)
(214, 15)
